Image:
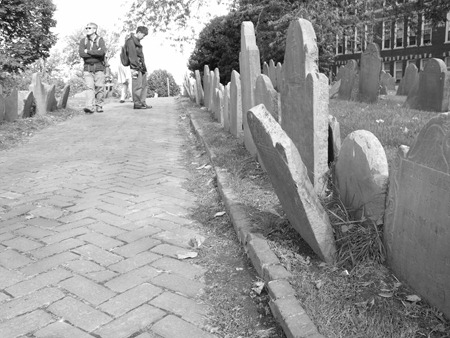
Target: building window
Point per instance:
(408, 62)
(447, 28)
(426, 32)
(423, 63)
(387, 29)
(339, 45)
(349, 45)
(358, 41)
(398, 70)
(447, 62)
(399, 33)
(412, 30)
(386, 67)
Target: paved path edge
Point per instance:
(284, 305)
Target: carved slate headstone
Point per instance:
(408, 80)
(347, 75)
(361, 175)
(226, 107)
(417, 221)
(236, 106)
(273, 73)
(199, 97)
(39, 93)
(304, 101)
(249, 69)
(265, 70)
(369, 78)
(280, 77)
(212, 90)
(25, 103)
(267, 95)
(62, 103)
(11, 106)
(291, 183)
(206, 85)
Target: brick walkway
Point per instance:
(93, 214)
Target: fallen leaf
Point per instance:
(196, 241)
(219, 214)
(386, 294)
(190, 254)
(413, 298)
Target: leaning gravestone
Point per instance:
(408, 80)
(417, 221)
(39, 93)
(361, 175)
(64, 97)
(25, 103)
(249, 69)
(304, 101)
(236, 106)
(347, 75)
(434, 87)
(267, 95)
(291, 183)
(198, 80)
(206, 85)
(11, 106)
(369, 78)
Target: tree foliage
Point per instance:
(25, 34)
(157, 83)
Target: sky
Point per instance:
(107, 14)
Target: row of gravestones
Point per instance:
(293, 146)
(40, 96)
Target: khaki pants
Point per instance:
(139, 88)
(96, 87)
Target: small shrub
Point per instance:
(157, 83)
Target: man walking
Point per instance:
(138, 68)
(92, 49)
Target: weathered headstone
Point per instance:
(361, 175)
(39, 93)
(2, 107)
(347, 75)
(280, 77)
(304, 101)
(387, 80)
(383, 87)
(334, 89)
(273, 73)
(11, 106)
(25, 103)
(249, 69)
(417, 221)
(267, 95)
(206, 85)
(219, 105)
(408, 80)
(212, 90)
(62, 103)
(291, 183)
(265, 69)
(198, 79)
(236, 106)
(226, 107)
(369, 79)
(334, 138)
(434, 87)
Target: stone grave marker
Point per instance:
(334, 138)
(265, 68)
(211, 91)
(236, 106)
(369, 79)
(291, 183)
(50, 100)
(361, 175)
(2, 107)
(62, 103)
(408, 80)
(249, 69)
(304, 101)
(417, 220)
(387, 80)
(25, 103)
(200, 93)
(273, 73)
(226, 107)
(334, 89)
(11, 106)
(267, 95)
(206, 85)
(383, 87)
(347, 75)
(219, 105)
(39, 93)
(280, 77)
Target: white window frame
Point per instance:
(358, 41)
(447, 62)
(409, 30)
(386, 67)
(397, 65)
(413, 61)
(422, 63)
(399, 23)
(339, 41)
(422, 36)
(447, 29)
(349, 42)
(383, 47)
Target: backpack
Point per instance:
(124, 56)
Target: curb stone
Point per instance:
(284, 306)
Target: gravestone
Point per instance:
(387, 80)
(334, 138)
(361, 175)
(334, 89)
(2, 107)
(417, 221)
(39, 93)
(211, 90)
(347, 75)
(434, 87)
(226, 107)
(369, 79)
(304, 101)
(25, 103)
(408, 80)
(219, 105)
(291, 183)
(11, 106)
(249, 69)
(206, 85)
(280, 77)
(267, 95)
(273, 73)
(64, 97)
(236, 106)
(383, 87)
(198, 80)
(265, 69)
(339, 73)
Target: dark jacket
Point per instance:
(94, 59)
(135, 54)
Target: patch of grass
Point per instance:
(358, 298)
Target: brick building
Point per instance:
(399, 43)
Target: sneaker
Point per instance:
(146, 106)
(88, 110)
(139, 106)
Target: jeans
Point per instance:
(139, 87)
(95, 83)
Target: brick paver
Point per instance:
(92, 215)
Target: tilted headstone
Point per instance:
(236, 106)
(206, 85)
(369, 78)
(434, 87)
(62, 103)
(267, 95)
(408, 80)
(280, 77)
(11, 106)
(273, 73)
(198, 79)
(25, 103)
(347, 75)
(291, 183)
(361, 175)
(39, 93)
(249, 69)
(304, 101)
(417, 220)
(226, 107)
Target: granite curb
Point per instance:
(284, 306)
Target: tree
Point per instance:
(157, 83)
(25, 34)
